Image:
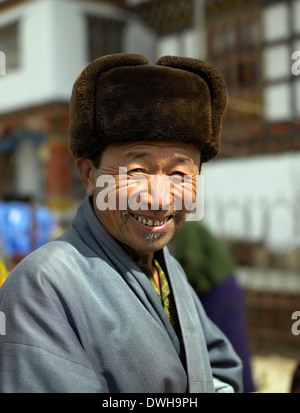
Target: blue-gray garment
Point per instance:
(82, 317)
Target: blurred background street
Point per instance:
(273, 372)
(252, 190)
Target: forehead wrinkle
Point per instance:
(132, 156)
(147, 154)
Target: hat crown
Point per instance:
(122, 98)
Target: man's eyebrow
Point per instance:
(181, 159)
(133, 156)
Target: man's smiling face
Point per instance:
(146, 229)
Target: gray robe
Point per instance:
(82, 317)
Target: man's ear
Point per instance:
(87, 173)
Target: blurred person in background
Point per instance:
(25, 225)
(210, 269)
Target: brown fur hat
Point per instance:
(122, 98)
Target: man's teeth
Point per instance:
(150, 222)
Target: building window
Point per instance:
(105, 36)
(217, 43)
(248, 72)
(229, 73)
(10, 45)
(277, 62)
(248, 34)
(243, 73)
(254, 33)
(277, 102)
(235, 38)
(276, 22)
(229, 39)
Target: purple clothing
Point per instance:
(225, 306)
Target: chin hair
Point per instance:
(152, 237)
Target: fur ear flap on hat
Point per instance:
(218, 93)
(122, 98)
(83, 139)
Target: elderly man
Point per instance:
(105, 308)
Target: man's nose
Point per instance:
(159, 192)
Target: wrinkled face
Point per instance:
(141, 211)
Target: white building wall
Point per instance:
(22, 85)
(49, 60)
(68, 42)
(255, 198)
(139, 39)
(53, 47)
(179, 44)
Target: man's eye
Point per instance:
(177, 177)
(136, 170)
(178, 173)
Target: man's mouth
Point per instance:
(151, 221)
